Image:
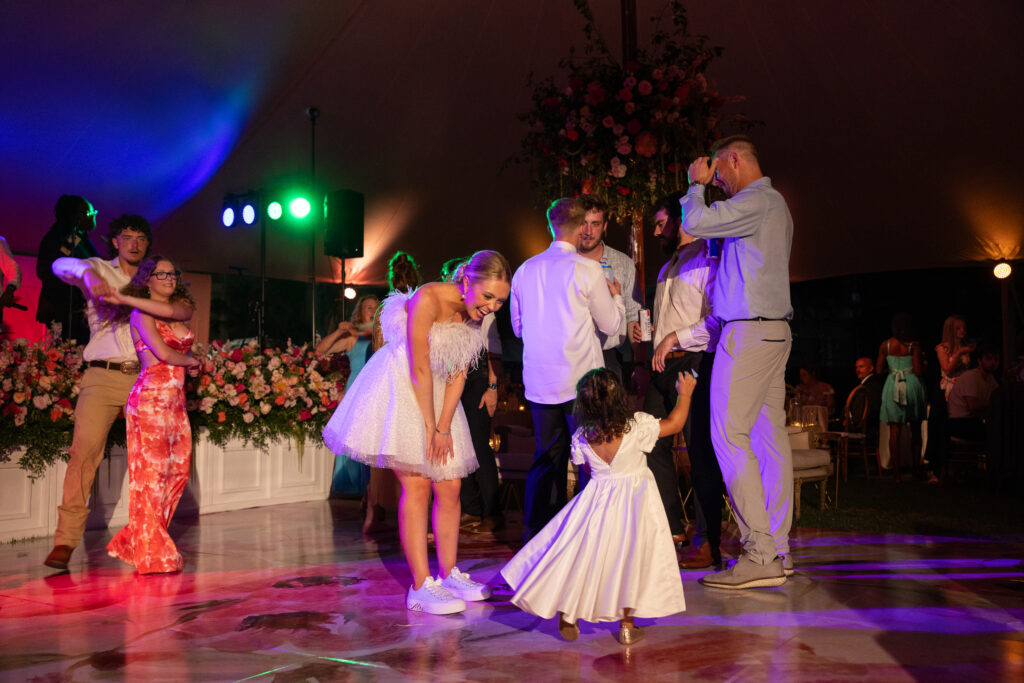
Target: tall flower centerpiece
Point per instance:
(625, 132)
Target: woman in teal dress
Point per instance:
(904, 400)
(353, 337)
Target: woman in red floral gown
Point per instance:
(159, 436)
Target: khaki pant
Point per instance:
(748, 428)
(101, 397)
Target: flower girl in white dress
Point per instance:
(608, 554)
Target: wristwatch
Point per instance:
(493, 385)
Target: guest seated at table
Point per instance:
(969, 399)
(813, 392)
(863, 404)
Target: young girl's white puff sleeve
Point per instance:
(578, 440)
(647, 429)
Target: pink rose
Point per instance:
(644, 88)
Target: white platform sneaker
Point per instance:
(461, 586)
(433, 598)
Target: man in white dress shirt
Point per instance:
(684, 334)
(557, 299)
(748, 384)
(111, 369)
(616, 266)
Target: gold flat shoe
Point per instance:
(568, 631)
(630, 634)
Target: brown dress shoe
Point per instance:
(697, 558)
(59, 556)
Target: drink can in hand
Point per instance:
(644, 318)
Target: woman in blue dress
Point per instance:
(354, 338)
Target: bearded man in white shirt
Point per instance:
(685, 334)
(559, 301)
(111, 369)
(616, 266)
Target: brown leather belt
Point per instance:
(128, 367)
(755, 320)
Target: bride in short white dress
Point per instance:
(609, 549)
(379, 423)
(403, 413)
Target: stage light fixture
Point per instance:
(249, 211)
(350, 293)
(299, 207)
(275, 210)
(1002, 270)
(229, 211)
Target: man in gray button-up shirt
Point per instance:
(748, 385)
(615, 265)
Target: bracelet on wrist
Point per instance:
(493, 386)
(442, 433)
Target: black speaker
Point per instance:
(343, 224)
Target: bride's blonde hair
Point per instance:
(484, 265)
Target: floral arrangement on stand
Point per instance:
(38, 388)
(626, 132)
(258, 395)
(249, 393)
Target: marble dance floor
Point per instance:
(296, 593)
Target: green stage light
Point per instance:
(275, 210)
(299, 207)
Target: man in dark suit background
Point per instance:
(864, 402)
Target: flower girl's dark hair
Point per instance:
(602, 409)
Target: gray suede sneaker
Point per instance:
(787, 564)
(747, 574)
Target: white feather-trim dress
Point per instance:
(379, 423)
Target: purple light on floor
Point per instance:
(885, 539)
(928, 577)
(959, 620)
(937, 563)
